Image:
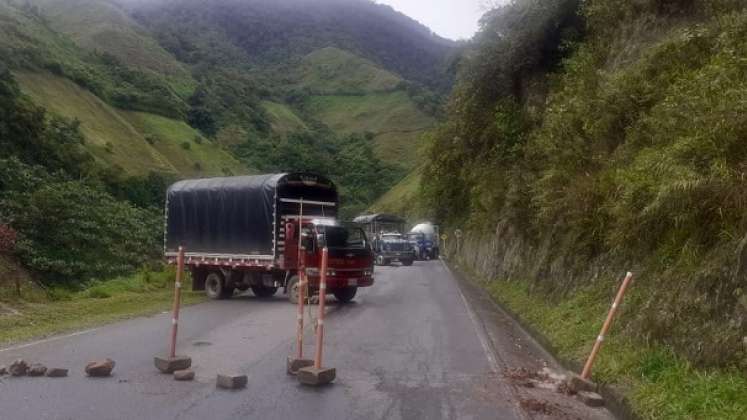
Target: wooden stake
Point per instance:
(177, 299)
(586, 374)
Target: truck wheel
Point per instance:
(264, 291)
(215, 286)
(345, 294)
(292, 289)
(407, 262)
(380, 260)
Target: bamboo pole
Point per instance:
(177, 300)
(586, 374)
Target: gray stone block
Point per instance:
(316, 377)
(577, 384)
(172, 364)
(592, 399)
(293, 364)
(184, 375)
(231, 381)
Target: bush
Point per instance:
(70, 232)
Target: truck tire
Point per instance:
(292, 289)
(264, 291)
(345, 294)
(407, 262)
(380, 260)
(215, 286)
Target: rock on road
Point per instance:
(419, 344)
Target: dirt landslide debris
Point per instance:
(537, 406)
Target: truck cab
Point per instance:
(390, 247)
(350, 263)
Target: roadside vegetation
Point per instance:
(659, 383)
(590, 138)
(57, 309)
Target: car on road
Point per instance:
(260, 232)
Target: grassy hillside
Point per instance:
(28, 41)
(123, 139)
(403, 198)
(103, 26)
(392, 118)
(283, 119)
(334, 71)
(169, 137)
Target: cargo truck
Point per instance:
(256, 232)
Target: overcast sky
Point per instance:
(454, 19)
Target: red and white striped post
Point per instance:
(295, 363)
(322, 301)
(586, 373)
(302, 282)
(173, 363)
(316, 375)
(177, 300)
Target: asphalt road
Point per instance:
(414, 346)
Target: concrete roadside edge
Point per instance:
(616, 402)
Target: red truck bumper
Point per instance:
(337, 282)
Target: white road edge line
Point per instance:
(47, 340)
(481, 335)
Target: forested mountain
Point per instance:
(284, 30)
(146, 92)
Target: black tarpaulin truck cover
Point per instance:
(240, 215)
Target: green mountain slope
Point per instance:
(392, 118)
(330, 71)
(103, 26)
(122, 138)
(157, 93)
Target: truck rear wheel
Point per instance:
(407, 262)
(292, 289)
(215, 286)
(345, 294)
(264, 291)
(380, 260)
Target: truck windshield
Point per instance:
(343, 237)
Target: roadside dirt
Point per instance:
(536, 378)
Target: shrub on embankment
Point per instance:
(589, 138)
(61, 203)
